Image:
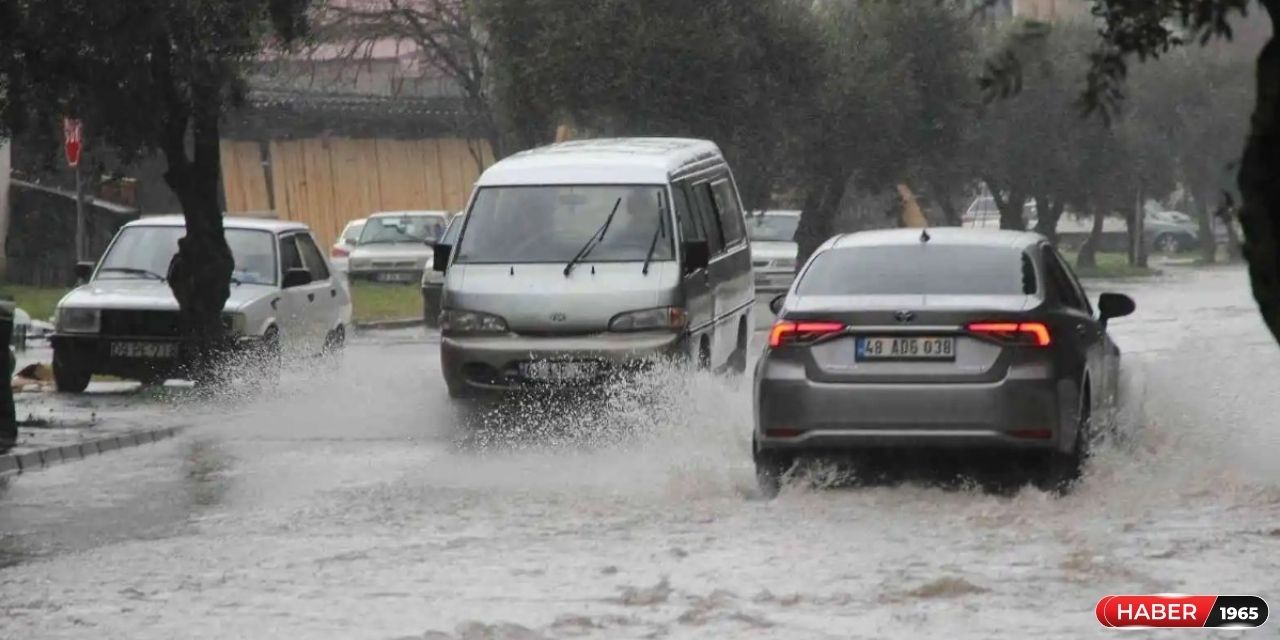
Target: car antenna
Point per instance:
(924, 235)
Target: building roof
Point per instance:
(945, 236)
(603, 161)
(230, 222)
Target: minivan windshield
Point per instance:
(918, 270)
(538, 224)
(145, 252)
(772, 228)
(408, 228)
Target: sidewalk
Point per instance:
(55, 427)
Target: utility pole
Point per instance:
(80, 242)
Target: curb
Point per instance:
(389, 324)
(15, 463)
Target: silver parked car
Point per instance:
(951, 338)
(773, 248)
(395, 246)
(587, 258)
(340, 252)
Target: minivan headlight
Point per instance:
(74, 320)
(475, 322)
(661, 318)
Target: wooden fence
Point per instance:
(326, 182)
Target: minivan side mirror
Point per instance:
(296, 278)
(83, 271)
(775, 305)
(697, 255)
(1114, 305)
(440, 259)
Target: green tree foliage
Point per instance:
(148, 75)
(730, 71)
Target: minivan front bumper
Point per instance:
(493, 363)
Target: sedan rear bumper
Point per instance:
(1008, 414)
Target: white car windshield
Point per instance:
(414, 229)
(555, 223)
(774, 228)
(145, 253)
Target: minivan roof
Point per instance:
(604, 161)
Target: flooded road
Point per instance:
(358, 503)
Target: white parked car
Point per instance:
(124, 320)
(773, 248)
(397, 246)
(341, 250)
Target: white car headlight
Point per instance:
(234, 323)
(661, 318)
(473, 322)
(76, 320)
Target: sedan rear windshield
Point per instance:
(920, 269)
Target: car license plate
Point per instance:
(146, 350)
(559, 371)
(906, 348)
(395, 277)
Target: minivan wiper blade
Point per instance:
(593, 240)
(660, 231)
(134, 271)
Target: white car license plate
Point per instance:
(559, 371)
(906, 348)
(146, 350)
(395, 277)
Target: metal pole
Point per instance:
(80, 242)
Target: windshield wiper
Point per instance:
(134, 271)
(593, 240)
(660, 231)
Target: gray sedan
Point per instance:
(950, 338)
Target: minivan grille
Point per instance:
(128, 322)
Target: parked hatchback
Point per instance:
(340, 252)
(124, 320)
(947, 339)
(396, 246)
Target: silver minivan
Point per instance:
(582, 260)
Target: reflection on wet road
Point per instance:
(358, 503)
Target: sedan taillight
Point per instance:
(1031, 334)
(338, 252)
(787, 332)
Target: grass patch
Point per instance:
(37, 301)
(374, 301)
(371, 301)
(1110, 265)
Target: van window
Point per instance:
(704, 205)
(730, 213)
(539, 224)
(690, 229)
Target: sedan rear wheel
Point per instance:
(1062, 470)
(771, 469)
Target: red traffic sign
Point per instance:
(71, 140)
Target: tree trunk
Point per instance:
(1011, 215)
(1088, 258)
(1204, 216)
(1049, 212)
(817, 216)
(1259, 181)
(952, 214)
(1226, 215)
(200, 275)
